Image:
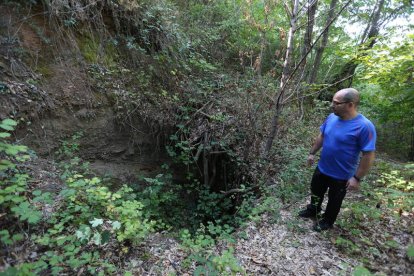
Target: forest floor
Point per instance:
(291, 247)
(373, 234)
(288, 247)
(370, 233)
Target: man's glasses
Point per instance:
(338, 103)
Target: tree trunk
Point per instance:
(285, 74)
(278, 101)
(289, 50)
(205, 161)
(307, 39)
(306, 48)
(323, 43)
(372, 30)
(263, 41)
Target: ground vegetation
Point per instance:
(169, 137)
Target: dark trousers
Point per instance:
(337, 191)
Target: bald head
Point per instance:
(349, 95)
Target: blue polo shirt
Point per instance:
(343, 140)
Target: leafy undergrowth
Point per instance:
(75, 224)
(377, 225)
(62, 219)
(374, 233)
(59, 218)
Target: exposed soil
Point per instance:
(53, 99)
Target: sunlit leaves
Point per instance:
(6, 164)
(96, 222)
(116, 225)
(391, 67)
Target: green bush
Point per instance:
(13, 180)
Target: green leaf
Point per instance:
(11, 271)
(361, 271)
(97, 239)
(37, 192)
(21, 148)
(9, 122)
(14, 149)
(4, 134)
(6, 164)
(25, 212)
(80, 235)
(106, 236)
(6, 127)
(17, 237)
(83, 233)
(410, 251)
(5, 237)
(61, 240)
(116, 225)
(96, 222)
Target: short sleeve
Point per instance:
(367, 137)
(323, 126)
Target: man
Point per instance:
(343, 136)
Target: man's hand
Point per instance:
(311, 160)
(352, 184)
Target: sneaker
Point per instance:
(306, 213)
(322, 225)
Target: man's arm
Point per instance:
(315, 148)
(365, 164)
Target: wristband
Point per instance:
(357, 178)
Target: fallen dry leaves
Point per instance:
(289, 246)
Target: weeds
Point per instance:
(386, 204)
(200, 250)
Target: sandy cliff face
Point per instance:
(46, 86)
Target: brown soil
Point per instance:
(49, 92)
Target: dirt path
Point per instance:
(290, 247)
(287, 246)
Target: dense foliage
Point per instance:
(214, 81)
(387, 77)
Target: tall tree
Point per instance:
(293, 15)
(287, 74)
(307, 39)
(322, 45)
